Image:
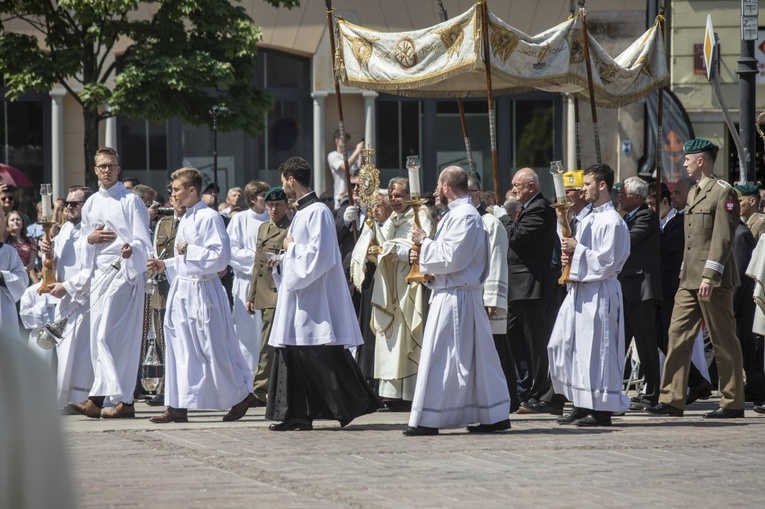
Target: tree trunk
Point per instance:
(90, 121)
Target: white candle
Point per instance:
(560, 190)
(414, 181)
(45, 196)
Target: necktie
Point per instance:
(518, 214)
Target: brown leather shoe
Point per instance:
(171, 415)
(240, 409)
(86, 408)
(119, 412)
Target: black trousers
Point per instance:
(507, 362)
(640, 323)
(527, 326)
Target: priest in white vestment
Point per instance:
(586, 348)
(13, 281)
(113, 248)
(460, 379)
(243, 232)
(74, 367)
(204, 367)
(314, 376)
(399, 308)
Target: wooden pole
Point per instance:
(460, 106)
(577, 133)
(340, 122)
(489, 98)
(591, 88)
(659, 130)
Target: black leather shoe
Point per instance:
(158, 400)
(701, 391)
(760, 409)
(292, 425)
(594, 419)
(256, 403)
(664, 409)
(640, 403)
(540, 407)
(574, 414)
(490, 428)
(420, 431)
(724, 413)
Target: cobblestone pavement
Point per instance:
(639, 461)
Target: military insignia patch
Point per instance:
(729, 205)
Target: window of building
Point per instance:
(289, 128)
(398, 135)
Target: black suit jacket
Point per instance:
(743, 245)
(641, 275)
(672, 243)
(529, 255)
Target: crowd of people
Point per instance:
(460, 314)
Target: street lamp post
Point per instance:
(747, 72)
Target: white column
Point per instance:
(57, 143)
(110, 136)
(570, 133)
(319, 155)
(370, 120)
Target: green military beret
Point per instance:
(275, 194)
(748, 189)
(699, 145)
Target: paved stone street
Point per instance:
(641, 460)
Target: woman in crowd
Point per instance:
(24, 244)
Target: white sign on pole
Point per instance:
(709, 46)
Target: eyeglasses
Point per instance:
(473, 190)
(6, 198)
(73, 203)
(104, 167)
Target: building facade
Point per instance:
(42, 133)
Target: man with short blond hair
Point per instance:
(204, 369)
(114, 247)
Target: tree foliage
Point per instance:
(183, 58)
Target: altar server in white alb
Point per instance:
(586, 348)
(314, 375)
(13, 282)
(243, 232)
(460, 380)
(74, 366)
(115, 228)
(204, 368)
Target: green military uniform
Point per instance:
(711, 217)
(756, 223)
(263, 295)
(164, 243)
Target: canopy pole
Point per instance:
(577, 134)
(489, 98)
(340, 122)
(659, 127)
(591, 88)
(460, 106)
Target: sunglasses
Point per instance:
(73, 203)
(6, 198)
